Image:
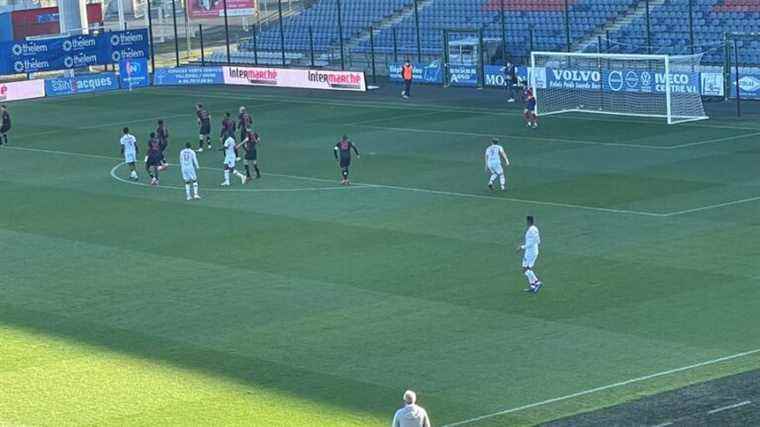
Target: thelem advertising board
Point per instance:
(305, 79)
(81, 84)
(215, 8)
(27, 89)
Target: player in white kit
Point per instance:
(229, 162)
(494, 156)
(129, 150)
(188, 162)
(530, 255)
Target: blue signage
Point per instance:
(81, 84)
(430, 73)
(133, 73)
(496, 75)
(749, 84)
(463, 75)
(623, 80)
(29, 56)
(188, 76)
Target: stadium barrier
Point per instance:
(89, 83)
(295, 78)
(27, 89)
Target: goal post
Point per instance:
(659, 86)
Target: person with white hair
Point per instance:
(411, 415)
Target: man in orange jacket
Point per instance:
(407, 72)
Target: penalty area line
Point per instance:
(606, 387)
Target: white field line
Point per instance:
(726, 408)
(232, 190)
(411, 105)
(606, 387)
(437, 192)
(536, 138)
(712, 141)
(116, 125)
(715, 206)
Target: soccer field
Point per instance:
(296, 301)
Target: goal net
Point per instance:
(629, 85)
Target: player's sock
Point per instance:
(5, 139)
(247, 171)
(502, 181)
(258, 172)
(227, 176)
(187, 191)
(195, 189)
(532, 279)
(492, 179)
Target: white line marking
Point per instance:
(665, 424)
(229, 190)
(712, 141)
(118, 125)
(440, 192)
(606, 387)
(726, 408)
(715, 206)
(537, 138)
(411, 106)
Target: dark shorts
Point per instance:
(251, 155)
(205, 129)
(154, 161)
(5, 129)
(344, 163)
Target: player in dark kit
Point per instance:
(245, 122)
(228, 128)
(5, 127)
(153, 159)
(342, 152)
(530, 109)
(250, 143)
(162, 134)
(204, 122)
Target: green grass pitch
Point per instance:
(294, 301)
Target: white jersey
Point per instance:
(129, 143)
(229, 149)
(493, 154)
(532, 240)
(188, 160)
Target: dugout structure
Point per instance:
(466, 53)
(660, 86)
(741, 71)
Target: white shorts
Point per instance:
(496, 168)
(130, 157)
(229, 162)
(529, 259)
(189, 175)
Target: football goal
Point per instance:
(661, 86)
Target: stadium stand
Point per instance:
(531, 25)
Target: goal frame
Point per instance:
(671, 119)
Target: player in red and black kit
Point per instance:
(162, 134)
(342, 152)
(153, 158)
(245, 122)
(228, 128)
(204, 122)
(5, 126)
(250, 144)
(530, 108)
